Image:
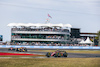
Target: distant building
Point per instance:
(75, 33)
(91, 35)
(1, 37)
(42, 33)
(76, 36)
(47, 34)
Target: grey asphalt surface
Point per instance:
(70, 55)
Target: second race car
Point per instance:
(21, 49)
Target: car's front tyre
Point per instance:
(48, 54)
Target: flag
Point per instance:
(49, 16)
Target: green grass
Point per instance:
(50, 62)
(73, 51)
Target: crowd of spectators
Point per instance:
(41, 29)
(41, 37)
(54, 37)
(15, 36)
(49, 44)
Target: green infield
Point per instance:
(49, 62)
(72, 51)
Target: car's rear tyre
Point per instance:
(55, 55)
(65, 54)
(48, 54)
(25, 50)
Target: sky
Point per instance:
(83, 14)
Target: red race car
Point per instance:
(57, 53)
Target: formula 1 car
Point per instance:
(11, 49)
(21, 49)
(57, 53)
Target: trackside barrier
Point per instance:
(50, 47)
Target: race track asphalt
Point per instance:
(70, 55)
